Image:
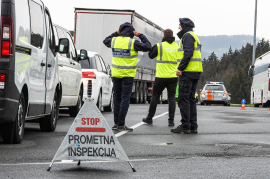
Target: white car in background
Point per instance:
(97, 81)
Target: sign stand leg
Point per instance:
(79, 163)
(50, 166)
(133, 169)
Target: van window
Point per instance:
(72, 49)
(37, 33)
(61, 34)
(88, 64)
(51, 39)
(214, 87)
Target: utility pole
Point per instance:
(254, 37)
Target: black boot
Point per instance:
(147, 120)
(180, 129)
(170, 122)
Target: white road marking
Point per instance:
(138, 125)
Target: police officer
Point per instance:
(166, 64)
(125, 54)
(189, 71)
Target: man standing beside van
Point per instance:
(166, 64)
(189, 71)
(125, 54)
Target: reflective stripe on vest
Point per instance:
(166, 63)
(195, 64)
(124, 59)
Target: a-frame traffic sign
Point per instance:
(90, 138)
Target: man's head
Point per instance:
(168, 33)
(186, 23)
(126, 30)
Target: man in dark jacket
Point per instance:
(125, 54)
(189, 71)
(166, 65)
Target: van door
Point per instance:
(64, 71)
(75, 67)
(37, 62)
(51, 73)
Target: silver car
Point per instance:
(215, 93)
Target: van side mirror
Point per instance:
(83, 55)
(63, 45)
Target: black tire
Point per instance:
(225, 104)
(12, 133)
(202, 103)
(228, 104)
(141, 93)
(73, 111)
(99, 101)
(135, 100)
(256, 105)
(264, 105)
(110, 107)
(49, 122)
(144, 93)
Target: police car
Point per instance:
(215, 93)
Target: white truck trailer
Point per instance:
(92, 26)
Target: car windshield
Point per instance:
(88, 63)
(214, 87)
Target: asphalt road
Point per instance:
(231, 143)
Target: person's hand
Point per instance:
(178, 73)
(118, 31)
(136, 33)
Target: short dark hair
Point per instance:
(168, 33)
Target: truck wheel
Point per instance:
(48, 123)
(141, 93)
(135, 100)
(12, 133)
(144, 93)
(202, 103)
(256, 105)
(73, 111)
(264, 105)
(110, 107)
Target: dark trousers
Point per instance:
(159, 85)
(187, 102)
(122, 91)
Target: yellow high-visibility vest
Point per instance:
(195, 63)
(166, 64)
(124, 61)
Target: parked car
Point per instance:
(70, 74)
(215, 93)
(97, 81)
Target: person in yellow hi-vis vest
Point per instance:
(125, 54)
(166, 65)
(189, 71)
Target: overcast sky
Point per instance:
(211, 17)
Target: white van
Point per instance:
(70, 74)
(29, 77)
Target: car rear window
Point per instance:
(214, 87)
(88, 64)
